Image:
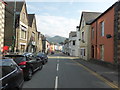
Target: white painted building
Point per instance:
(73, 49)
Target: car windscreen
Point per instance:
(40, 54)
(18, 59)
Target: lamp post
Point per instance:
(14, 28)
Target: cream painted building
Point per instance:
(85, 44)
(2, 17)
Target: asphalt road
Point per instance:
(63, 72)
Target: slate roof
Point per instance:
(30, 19)
(73, 34)
(118, 2)
(10, 7)
(89, 16)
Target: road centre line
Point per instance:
(57, 66)
(56, 82)
(97, 75)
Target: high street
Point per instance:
(63, 72)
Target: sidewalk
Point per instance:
(109, 74)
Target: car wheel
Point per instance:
(29, 77)
(41, 66)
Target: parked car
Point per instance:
(52, 52)
(43, 57)
(28, 63)
(11, 75)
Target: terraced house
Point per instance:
(2, 17)
(105, 31)
(85, 34)
(34, 43)
(16, 23)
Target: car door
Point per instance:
(30, 61)
(10, 78)
(37, 62)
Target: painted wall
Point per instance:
(98, 40)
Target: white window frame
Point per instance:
(93, 33)
(25, 29)
(83, 52)
(102, 28)
(83, 37)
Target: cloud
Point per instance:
(32, 8)
(56, 25)
(71, 1)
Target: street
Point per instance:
(63, 72)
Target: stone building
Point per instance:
(2, 17)
(16, 26)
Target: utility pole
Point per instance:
(14, 28)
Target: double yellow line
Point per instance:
(112, 85)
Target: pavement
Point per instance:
(108, 73)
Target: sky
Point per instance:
(59, 17)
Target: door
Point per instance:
(102, 52)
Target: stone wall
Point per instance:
(117, 33)
(2, 11)
(118, 37)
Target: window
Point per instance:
(23, 34)
(102, 52)
(102, 28)
(22, 48)
(83, 36)
(23, 16)
(83, 24)
(33, 36)
(74, 42)
(8, 66)
(83, 52)
(92, 33)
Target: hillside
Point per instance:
(55, 39)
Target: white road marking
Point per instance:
(57, 67)
(58, 61)
(56, 82)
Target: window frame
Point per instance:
(102, 28)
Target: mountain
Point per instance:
(47, 36)
(55, 39)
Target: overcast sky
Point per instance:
(59, 17)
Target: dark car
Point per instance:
(28, 63)
(52, 52)
(11, 75)
(43, 57)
